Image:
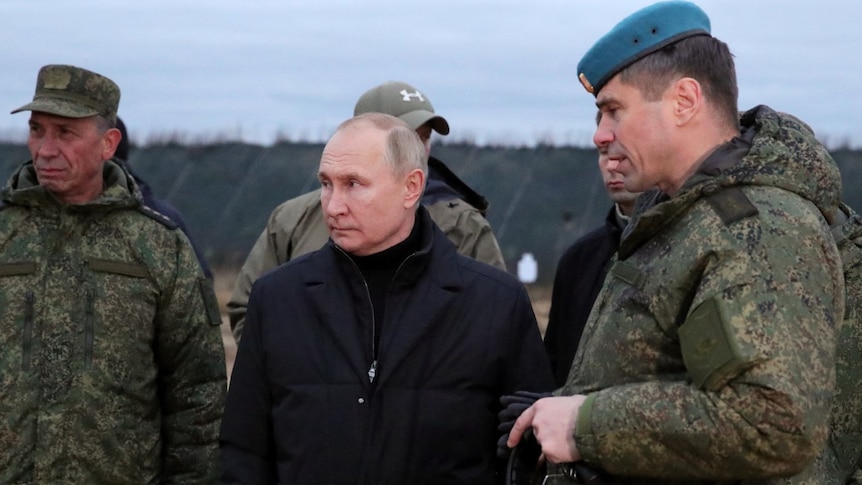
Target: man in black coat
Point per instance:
(580, 274)
(380, 358)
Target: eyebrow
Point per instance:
(603, 103)
(342, 176)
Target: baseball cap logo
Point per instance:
(57, 79)
(406, 95)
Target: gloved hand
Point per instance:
(525, 465)
(513, 406)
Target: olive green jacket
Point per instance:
(297, 227)
(112, 366)
(709, 356)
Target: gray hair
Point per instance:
(404, 149)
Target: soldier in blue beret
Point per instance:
(709, 356)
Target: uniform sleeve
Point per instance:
(262, 258)
(192, 374)
(479, 241)
(294, 228)
(758, 345)
(469, 231)
(246, 435)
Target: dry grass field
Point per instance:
(223, 281)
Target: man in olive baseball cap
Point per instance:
(404, 101)
(74, 92)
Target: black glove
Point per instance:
(513, 406)
(524, 466)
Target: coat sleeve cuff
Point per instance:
(584, 438)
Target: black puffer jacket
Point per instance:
(457, 335)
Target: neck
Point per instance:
(691, 157)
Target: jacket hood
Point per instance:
(785, 154)
(773, 149)
(120, 189)
(443, 184)
(779, 151)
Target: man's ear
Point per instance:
(688, 99)
(110, 142)
(414, 185)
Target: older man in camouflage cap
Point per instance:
(709, 356)
(112, 368)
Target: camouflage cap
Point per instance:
(403, 101)
(74, 92)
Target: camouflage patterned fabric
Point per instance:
(112, 368)
(843, 454)
(709, 354)
(73, 92)
(846, 427)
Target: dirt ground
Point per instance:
(224, 280)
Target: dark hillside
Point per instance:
(541, 198)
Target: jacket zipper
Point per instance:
(27, 343)
(372, 371)
(89, 323)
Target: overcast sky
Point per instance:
(498, 70)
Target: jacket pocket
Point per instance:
(27, 334)
(89, 327)
(118, 306)
(22, 269)
(118, 267)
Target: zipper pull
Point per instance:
(372, 371)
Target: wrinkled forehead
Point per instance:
(352, 155)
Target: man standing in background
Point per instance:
(581, 272)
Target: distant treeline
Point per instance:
(542, 198)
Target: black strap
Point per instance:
(158, 216)
(731, 204)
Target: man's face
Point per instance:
(615, 186)
(68, 154)
(363, 201)
(634, 134)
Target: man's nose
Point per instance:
(333, 202)
(603, 136)
(46, 147)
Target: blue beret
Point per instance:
(637, 36)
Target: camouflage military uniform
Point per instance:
(296, 227)
(709, 354)
(843, 454)
(112, 368)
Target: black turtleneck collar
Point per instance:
(379, 269)
(391, 257)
